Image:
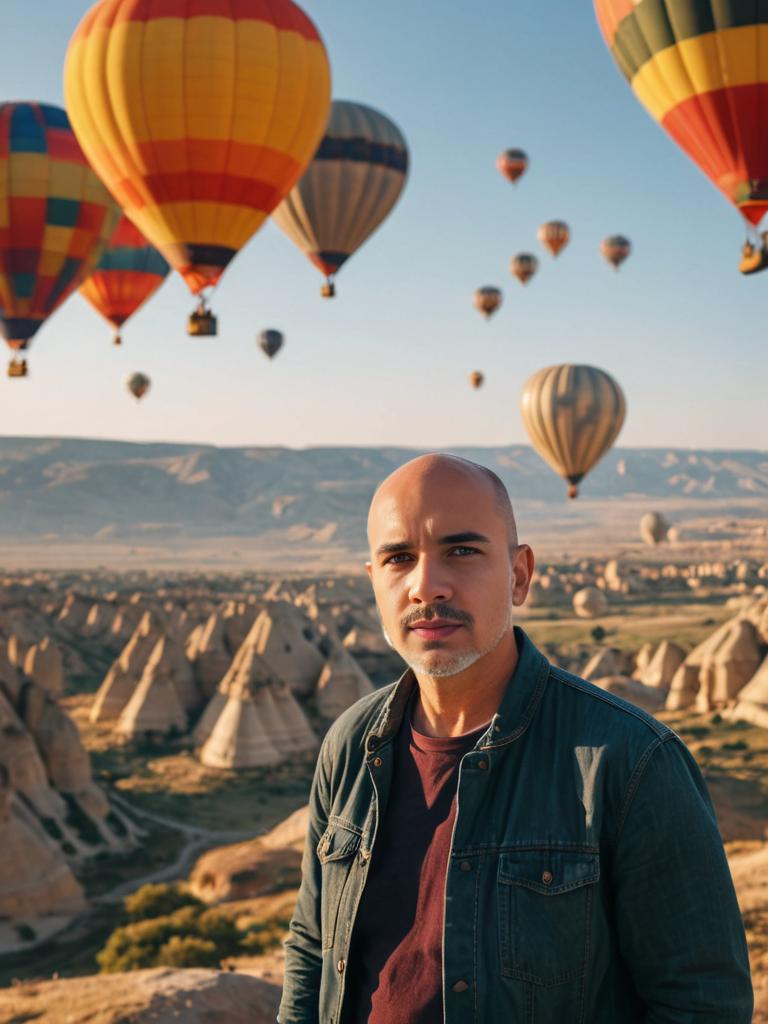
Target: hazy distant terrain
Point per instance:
(77, 500)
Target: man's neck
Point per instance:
(453, 705)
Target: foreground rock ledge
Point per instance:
(158, 996)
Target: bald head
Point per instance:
(440, 470)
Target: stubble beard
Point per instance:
(450, 664)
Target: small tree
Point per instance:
(188, 951)
(158, 900)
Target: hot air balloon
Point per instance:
(476, 379)
(554, 236)
(487, 300)
(524, 266)
(55, 219)
(271, 342)
(697, 66)
(615, 249)
(138, 384)
(653, 528)
(129, 272)
(199, 117)
(512, 163)
(573, 414)
(350, 187)
(590, 603)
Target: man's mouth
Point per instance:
(434, 629)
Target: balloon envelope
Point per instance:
(199, 116)
(524, 266)
(653, 528)
(351, 186)
(512, 163)
(554, 236)
(271, 342)
(487, 300)
(476, 379)
(700, 68)
(55, 217)
(616, 249)
(573, 414)
(129, 273)
(138, 384)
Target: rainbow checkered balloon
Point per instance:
(55, 217)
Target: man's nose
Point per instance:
(429, 582)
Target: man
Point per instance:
(491, 838)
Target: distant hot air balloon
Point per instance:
(55, 219)
(698, 68)
(653, 528)
(199, 117)
(138, 384)
(271, 342)
(573, 414)
(512, 163)
(129, 272)
(554, 236)
(590, 603)
(476, 379)
(351, 186)
(524, 266)
(615, 249)
(487, 300)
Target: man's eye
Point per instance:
(395, 559)
(462, 549)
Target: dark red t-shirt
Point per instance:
(395, 973)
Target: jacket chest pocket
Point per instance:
(545, 909)
(336, 852)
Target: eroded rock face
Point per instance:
(157, 996)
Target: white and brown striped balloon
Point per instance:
(573, 414)
(352, 184)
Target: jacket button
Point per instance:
(460, 986)
(465, 865)
(482, 765)
(547, 878)
(365, 855)
(376, 762)
(340, 966)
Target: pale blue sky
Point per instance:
(386, 362)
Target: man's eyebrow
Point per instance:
(452, 538)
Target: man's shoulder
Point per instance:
(355, 722)
(607, 709)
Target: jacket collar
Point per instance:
(517, 708)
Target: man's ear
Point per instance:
(368, 568)
(522, 573)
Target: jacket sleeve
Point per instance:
(303, 952)
(679, 925)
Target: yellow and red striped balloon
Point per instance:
(129, 273)
(199, 116)
(700, 68)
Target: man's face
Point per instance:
(442, 571)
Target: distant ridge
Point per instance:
(112, 491)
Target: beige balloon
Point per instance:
(589, 603)
(653, 528)
(573, 414)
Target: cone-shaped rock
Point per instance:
(298, 736)
(752, 702)
(662, 667)
(35, 879)
(280, 641)
(67, 763)
(154, 708)
(122, 678)
(210, 656)
(341, 683)
(607, 661)
(239, 738)
(44, 665)
(729, 666)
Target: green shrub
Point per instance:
(188, 951)
(158, 901)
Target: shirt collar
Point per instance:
(517, 708)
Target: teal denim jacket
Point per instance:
(587, 882)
